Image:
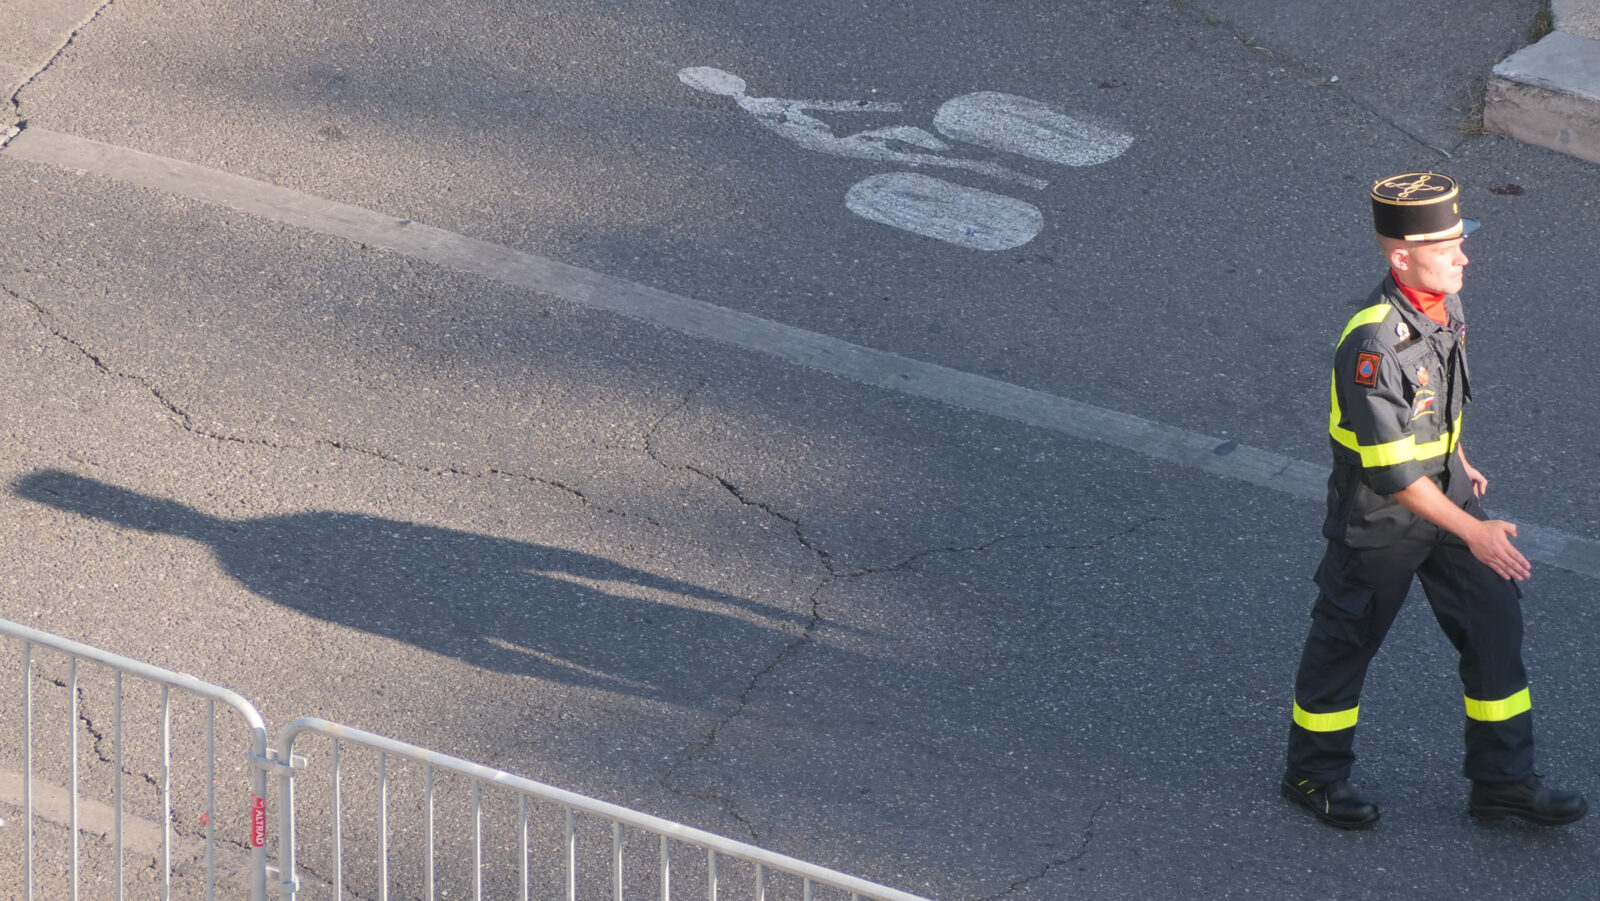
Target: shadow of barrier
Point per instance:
(130, 783)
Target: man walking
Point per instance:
(1403, 502)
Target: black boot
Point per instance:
(1334, 803)
(1527, 799)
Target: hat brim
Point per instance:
(1467, 227)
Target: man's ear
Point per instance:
(1400, 259)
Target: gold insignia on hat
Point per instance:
(1419, 206)
(1416, 187)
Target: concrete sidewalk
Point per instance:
(1548, 93)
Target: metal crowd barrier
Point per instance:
(667, 835)
(503, 834)
(122, 667)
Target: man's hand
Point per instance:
(1490, 542)
(1480, 482)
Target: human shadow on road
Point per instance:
(512, 606)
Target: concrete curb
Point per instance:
(1548, 93)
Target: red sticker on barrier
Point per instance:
(258, 823)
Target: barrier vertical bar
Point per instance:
(338, 825)
(383, 827)
(616, 860)
(522, 823)
(166, 793)
(428, 862)
(288, 867)
(27, 767)
(258, 818)
(666, 871)
(711, 874)
(116, 717)
(572, 857)
(477, 840)
(211, 800)
(72, 751)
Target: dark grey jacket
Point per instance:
(1399, 387)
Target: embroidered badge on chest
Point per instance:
(1422, 405)
(1367, 366)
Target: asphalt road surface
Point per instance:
(901, 450)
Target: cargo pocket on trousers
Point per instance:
(1347, 598)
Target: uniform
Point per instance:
(1399, 386)
(1398, 390)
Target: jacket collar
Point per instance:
(1415, 319)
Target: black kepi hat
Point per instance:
(1419, 206)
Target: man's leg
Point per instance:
(1361, 593)
(1482, 616)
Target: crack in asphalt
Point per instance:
(488, 472)
(1021, 882)
(911, 561)
(1306, 69)
(648, 441)
(709, 741)
(13, 121)
(185, 420)
(188, 423)
(833, 576)
(1088, 830)
(97, 737)
(825, 558)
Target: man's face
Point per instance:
(1435, 266)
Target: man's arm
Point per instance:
(1489, 540)
(1480, 482)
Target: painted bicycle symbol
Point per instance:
(922, 204)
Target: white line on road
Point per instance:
(595, 290)
(53, 804)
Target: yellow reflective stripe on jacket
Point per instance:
(1325, 722)
(1394, 452)
(1495, 711)
(1365, 317)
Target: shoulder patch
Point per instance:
(1367, 366)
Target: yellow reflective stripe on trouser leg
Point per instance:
(1496, 711)
(1325, 722)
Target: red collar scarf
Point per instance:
(1430, 303)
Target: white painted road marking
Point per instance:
(952, 213)
(597, 291)
(790, 119)
(1012, 124)
(956, 214)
